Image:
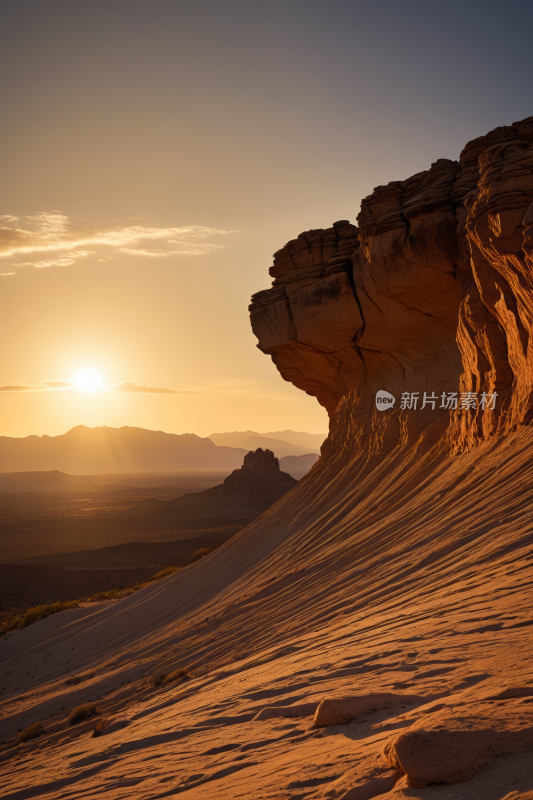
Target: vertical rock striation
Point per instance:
(430, 294)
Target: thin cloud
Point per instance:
(40, 386)
(238, 388)
(63, 261)
(58, 384)
(124, 386)
(17, 388)
(198, 250)
(52, 232)
(127, 386)
(5, 274)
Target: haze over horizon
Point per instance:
(155, 155)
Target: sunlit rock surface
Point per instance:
(435, 296)
(400, 565)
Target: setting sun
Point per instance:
(88, 380)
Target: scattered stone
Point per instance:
(110, 724)
(290, 712)
(455, 743)
(340, 710)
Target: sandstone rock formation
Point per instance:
(259, 480)
(431, 293)
(340, 710)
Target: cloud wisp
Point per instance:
(232, 388)
(125, 386)
(51, 239)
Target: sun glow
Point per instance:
(88, 380)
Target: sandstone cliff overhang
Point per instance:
(431, 293)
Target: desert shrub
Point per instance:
(177, 674)
(163, 573)
(112, 594)
(82, 712)
(155, 680)
(30, 733)
(109, 595)
(201, 553)
(95, 598)
(36, 614)
(75, 679)
(125, 593)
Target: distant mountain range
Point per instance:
(86, 451)
(90, 451)
(279, 448)
(282, 443)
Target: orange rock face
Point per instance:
(431, 294)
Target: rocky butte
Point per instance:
(370, 634)
(259, 482)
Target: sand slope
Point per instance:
(417, 583)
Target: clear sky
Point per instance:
(155, 153)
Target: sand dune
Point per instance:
(385, 590)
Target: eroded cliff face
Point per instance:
(495, 235)
(430, 294)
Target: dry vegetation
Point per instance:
(36, 614)
(40, 612)
(157, 679)
(201, 553)
(30, 733)
(82, 712)
(178, 674)
(118, 594)
(164, 573)
(113, 594)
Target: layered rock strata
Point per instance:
(430, 294)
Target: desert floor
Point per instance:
(401, 602)
(59, 546)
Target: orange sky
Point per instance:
(155, 155)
